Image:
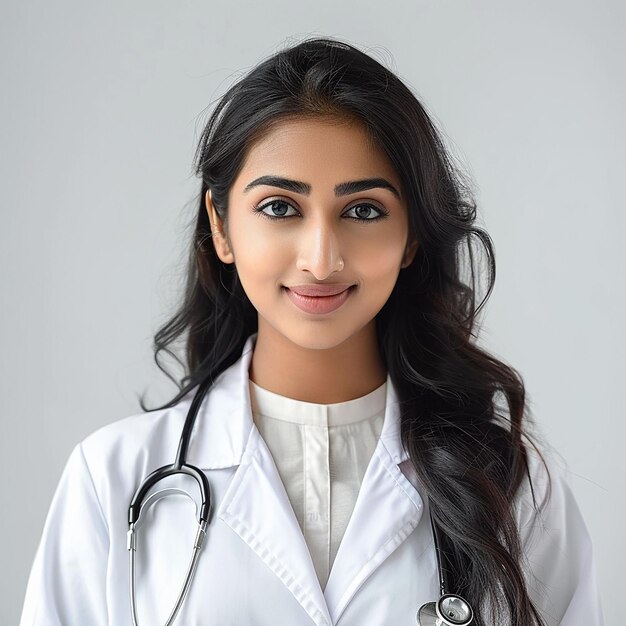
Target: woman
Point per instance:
(334, 427)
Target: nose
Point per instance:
(319, 250)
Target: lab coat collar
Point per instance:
(257, 508)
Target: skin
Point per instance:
(315, 358)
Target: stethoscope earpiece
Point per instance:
(449, 610)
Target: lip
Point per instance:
(320, 304)
(319, 290)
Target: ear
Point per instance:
(220, 240)
(409, 253)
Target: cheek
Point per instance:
(379, 269)
(258, 257)
(380, 263)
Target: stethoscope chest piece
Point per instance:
(449, 610)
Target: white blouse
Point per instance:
(321, 452)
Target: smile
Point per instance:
(319, 305)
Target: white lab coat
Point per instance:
(255, 568)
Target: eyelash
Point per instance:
(259, 209)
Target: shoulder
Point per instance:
(134, 430)
(127, 447)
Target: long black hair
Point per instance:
(468, 451)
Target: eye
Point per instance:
(272, 205)
(364, 212)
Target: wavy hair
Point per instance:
(469, 453)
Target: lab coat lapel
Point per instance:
(255, 505)
(388, 508)
(257, 508)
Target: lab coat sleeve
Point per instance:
(559, 563)
(68, 578)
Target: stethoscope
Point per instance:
(449, 610)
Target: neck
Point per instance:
(340, 373)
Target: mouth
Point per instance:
(323, 289)
(319, 305)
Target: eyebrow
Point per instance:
(342, 189)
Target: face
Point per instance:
(318, 230)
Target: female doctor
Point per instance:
(355, 459)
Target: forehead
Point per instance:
(322, 150)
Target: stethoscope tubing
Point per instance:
(434, 613)
(180, 466)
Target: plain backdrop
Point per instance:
(101, 107)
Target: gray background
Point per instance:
(101, 108)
